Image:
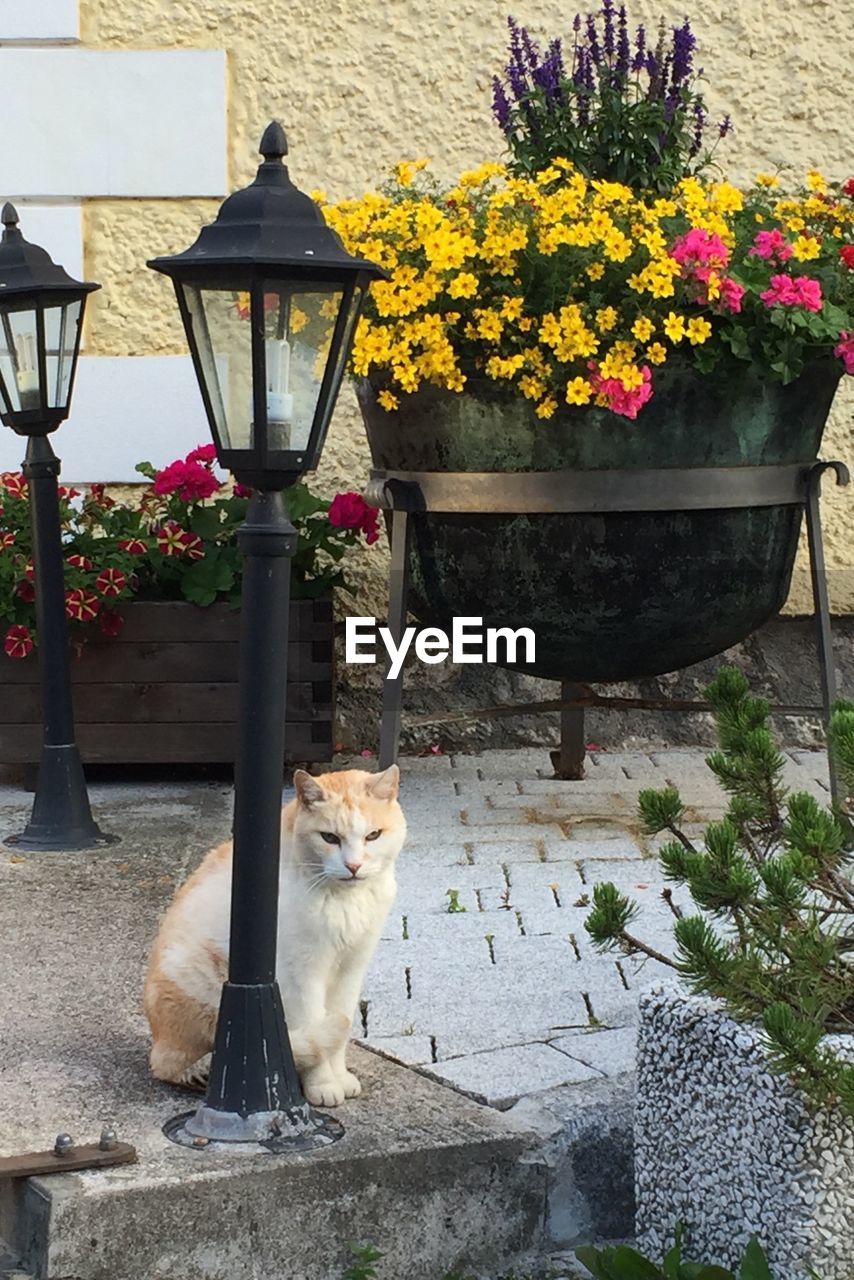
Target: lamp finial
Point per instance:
(9, 215)
(274, 144)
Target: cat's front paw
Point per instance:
(351, 1084)
(323, 1090)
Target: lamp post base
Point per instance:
(61, 817)
(295, 1130)
(253, 1097)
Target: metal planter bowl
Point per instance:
(621, 594)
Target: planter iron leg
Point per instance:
(398, 596)
(818, 574)
(61, 817)
(568, 759)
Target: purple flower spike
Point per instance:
(684, 44)
(608, 13)
(699, 125)
(532, 51)
(725, 126)
(500, 104)
(639, 60)
(623, 46)
(576, 23)
(593, 40)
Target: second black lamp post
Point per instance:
(270, 299)
(41, 321)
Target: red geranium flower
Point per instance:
(190, 480)
(848, 188)
(110, 582)
(80, 562)
(25, 591)
(846, 253)
(14, 483)
(202, 453)
(133, 546)
(81, 605)
(111, 622)
(18, 642)
(6, 540)
(350, 511)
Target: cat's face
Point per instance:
(348, 825)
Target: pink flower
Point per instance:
(350, 511)
(18, 642)
(110, 582)
(627, 403)
(699, 248)
(242, 490)
(190, 480)
(845, 350)
(731, 295)
(771, 244)
(202, 453)
(798, 292)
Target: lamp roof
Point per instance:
(269, 224)
(28, 269)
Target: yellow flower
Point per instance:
(805, 247)
(404, 172)
(463, 285)
(299, 319)
(656, 353)
(595, 271)
(578, 391)
(767, 180)
(816, 181)
(511, 308)
(606, 318)
(674, 327)
(698, 331)
(388, 401)
(546, 408)
(643, 328)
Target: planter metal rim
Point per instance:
(554, 492)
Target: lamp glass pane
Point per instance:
(223, 334)
(298, 328)
(60, 334)
(19, 359)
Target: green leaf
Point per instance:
(754, 1265)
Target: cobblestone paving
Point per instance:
(485, 976)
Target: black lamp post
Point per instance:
(269, 298)
(41, 320)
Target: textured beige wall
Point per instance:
(360, 84)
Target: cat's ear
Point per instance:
(385, 785)
(309, 790)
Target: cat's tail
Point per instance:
(312, 1045)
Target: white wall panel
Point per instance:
(39, 20)
(89, 122)
(125, 410)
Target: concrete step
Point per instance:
(435, 1180)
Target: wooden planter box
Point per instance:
(165, 690)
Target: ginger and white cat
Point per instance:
(341, 835)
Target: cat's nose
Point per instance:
(352, 867)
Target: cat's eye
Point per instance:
(373, 835)
(330, 837)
